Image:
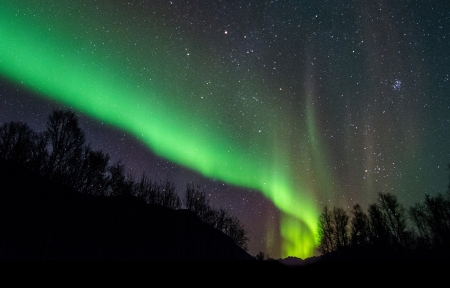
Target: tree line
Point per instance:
(387, 231)
(60, 153)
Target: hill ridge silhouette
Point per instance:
(44, 220)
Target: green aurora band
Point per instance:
(39, 51)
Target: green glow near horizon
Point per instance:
(42, 57)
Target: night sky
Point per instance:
(274, 108)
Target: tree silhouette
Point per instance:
(340, 221)
(117, 182)
(333, 230)
(196, 201)
(359, 227)
(65, 144)
(395, 218)
(163, 194)
(220, 219)
(16, 142)
(420, 218)
(93, 172)
(383, 233)
(147, 189)
(236, 231)
(432, 221)
(326, 231)
(378, 233)
(19, 143)
(168, 197)
(39, 153)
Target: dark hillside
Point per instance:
(41, 220)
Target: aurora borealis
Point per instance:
(309, 103)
